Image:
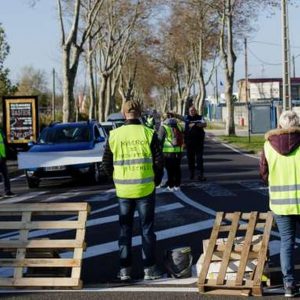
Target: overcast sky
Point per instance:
(33, 35)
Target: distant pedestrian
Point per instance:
(171, 136)
(194, 142)
(3, 167)
(280, 169)
(134, 158)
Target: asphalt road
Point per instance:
(183, 218)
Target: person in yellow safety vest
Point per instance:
(280, 169)
(171, 137)
(3, 167)
(134, 159)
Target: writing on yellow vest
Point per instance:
(132, 158)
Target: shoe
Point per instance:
(168, 189)
(152, 273)
(201, 178)
(9, 194)
(124, 274)
(177, 188)
(291, 291)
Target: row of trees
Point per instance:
(160, 52)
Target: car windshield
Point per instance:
(65, 134)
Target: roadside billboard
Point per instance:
(20, 119)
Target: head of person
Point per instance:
(192, 111)
(288, 119)
(131, 109)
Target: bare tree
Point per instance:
(72, 46)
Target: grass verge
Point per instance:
(255, 145)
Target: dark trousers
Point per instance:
(172, 164)
(194, 154)
(4, 172)
(145, 207)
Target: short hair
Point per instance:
(132, 107)
(288, 119)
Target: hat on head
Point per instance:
(131, 106)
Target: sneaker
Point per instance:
(9, 194)
(124, 274)
(291, 291)
(176, 188)
(170, 189)
(152, 273)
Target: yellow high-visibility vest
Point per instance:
(284, 181)
(168, 147)
(133, 162)
(2, 146)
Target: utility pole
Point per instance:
(246, 71)
(294, 68)
(286, 78)
(53, 95)
(217, 90)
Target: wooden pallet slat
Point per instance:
(242, 250)
(34, 261)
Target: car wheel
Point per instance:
(32, 182)
(94, 173)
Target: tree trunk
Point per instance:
(91, 81)
(102, 93)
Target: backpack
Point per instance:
(177, 137)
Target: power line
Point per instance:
(271, 44)
(262, 61)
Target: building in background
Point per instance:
(264, 89)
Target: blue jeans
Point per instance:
(287, 228)
(145, 207)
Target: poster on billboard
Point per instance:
(20, 116)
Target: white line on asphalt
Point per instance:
(266, 291)
(22, 198)
(116, 289)
(90, 223)
(17, 178)
(63, 196)
(109, 247)
(235, 150)
(191, 202)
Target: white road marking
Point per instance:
(235, 150)
(255, 186)
(63, 196)
(23, 197)
(109, 247)
(90, 223)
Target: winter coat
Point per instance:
(284, 141)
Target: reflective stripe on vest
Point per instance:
(168, 146)
(284, 181)
(2, 146)
(133, 163)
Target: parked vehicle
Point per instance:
(109, 125)
(65, 149)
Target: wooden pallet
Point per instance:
(30, 252)
(231, 227)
